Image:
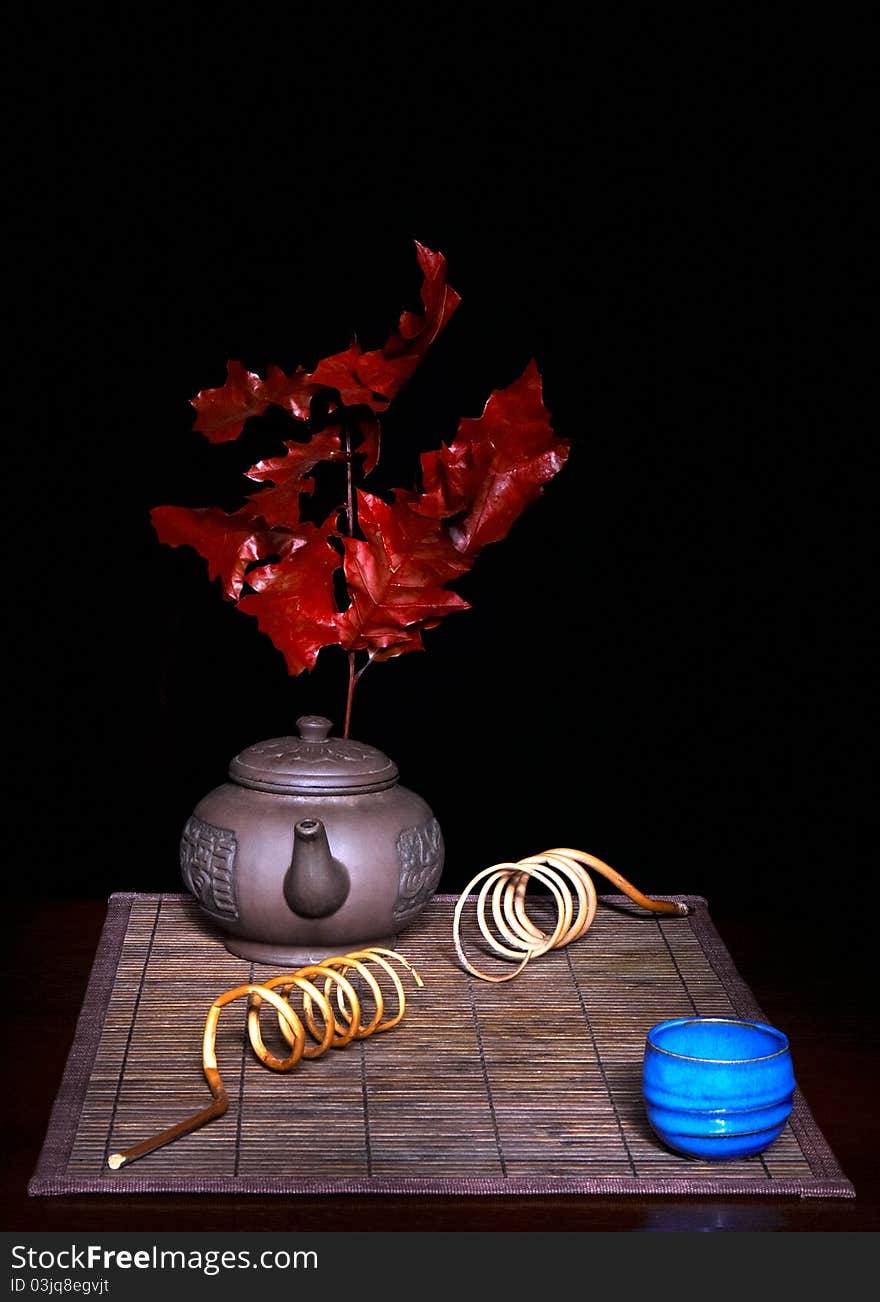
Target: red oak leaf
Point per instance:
(427, 541)
(496, 465)
(227, 542)
(293, 599)
(394, 578)
(439, 299)
(367, 433)
(370, 440)
(341, 372)
(293, 392)
(372, 379)
(222, 412)
(289, 474)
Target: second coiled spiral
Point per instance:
(331, 1014)
(516, 936)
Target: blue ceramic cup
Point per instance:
(718, 1088)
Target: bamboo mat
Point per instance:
(529, 1087)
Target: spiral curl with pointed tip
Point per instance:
(328, 1030)
(564, 873)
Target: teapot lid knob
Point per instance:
(313, 727)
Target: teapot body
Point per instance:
(241, 849)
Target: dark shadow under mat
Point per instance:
(528, 1087)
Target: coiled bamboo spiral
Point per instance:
(309, 1033)
(564, 873)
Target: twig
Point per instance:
(352, 679)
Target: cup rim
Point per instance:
(728, 1021)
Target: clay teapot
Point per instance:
(311, 848)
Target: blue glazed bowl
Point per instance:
(718, 1088)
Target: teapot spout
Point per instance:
(315, 884)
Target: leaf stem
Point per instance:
(351, 521)
(349, 528)
(352, 679)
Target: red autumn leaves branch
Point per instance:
(282, 569)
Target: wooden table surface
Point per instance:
(813, 988)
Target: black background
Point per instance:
(666, 662)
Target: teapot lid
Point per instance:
(313, 763)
